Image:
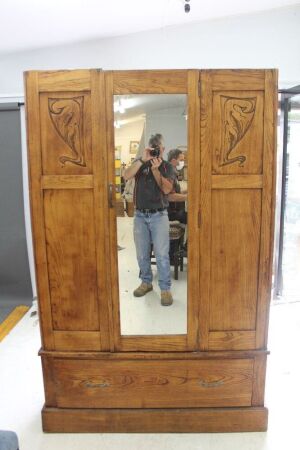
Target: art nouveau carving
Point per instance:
(237, 116)
(67, 117)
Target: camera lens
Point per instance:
(187, 8)
(155, 152)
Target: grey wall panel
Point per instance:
(14, 267)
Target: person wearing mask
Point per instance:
(154, 179)
(177, 198)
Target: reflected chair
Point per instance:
(176, 236)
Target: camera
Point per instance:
(155, 152)
(187, 8)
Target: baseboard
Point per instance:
(11, 320)
(179, 420)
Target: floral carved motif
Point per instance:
(67, 117)
(237, 116)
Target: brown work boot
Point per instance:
(166, 298)
(142, 290)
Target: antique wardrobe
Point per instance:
(211, 377)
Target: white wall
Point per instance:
(171, 124)
(125, 134)
(262, 40)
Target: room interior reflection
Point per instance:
(136, 118)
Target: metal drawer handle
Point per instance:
(211, 384)
(89, 384)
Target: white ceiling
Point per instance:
(28, 24)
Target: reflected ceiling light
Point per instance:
(121, 104)
(117, 105)
(121, 107)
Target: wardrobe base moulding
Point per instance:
(179, 420)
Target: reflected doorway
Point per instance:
(287, 283)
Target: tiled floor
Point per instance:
(21, 398)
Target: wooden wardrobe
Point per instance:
(211, 379)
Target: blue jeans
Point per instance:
(153, 228)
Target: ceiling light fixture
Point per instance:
(187, 6)
(121, 107)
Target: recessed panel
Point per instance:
(236, 222)
(71, 258)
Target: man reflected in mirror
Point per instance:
(177, 199)
(154, 180)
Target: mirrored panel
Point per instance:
(151, 158)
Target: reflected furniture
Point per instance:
(212, 378)
(176, 241)
(176, 234)
(129, 207)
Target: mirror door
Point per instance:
(153, 216)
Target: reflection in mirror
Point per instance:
(151, 205)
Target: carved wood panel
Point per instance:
(237, 132)
(66, 133)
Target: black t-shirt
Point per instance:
(147, 193)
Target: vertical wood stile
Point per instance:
(50, 391)
(259, 378)
(99, 148)
(193, 208)
(111, 229)
(268, 207)
(205, 206)
(36, 206)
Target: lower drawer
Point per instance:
(148, 384)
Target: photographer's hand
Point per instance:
(137, 164)
(155, 163)
(146, 154)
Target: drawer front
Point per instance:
(152, 384)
